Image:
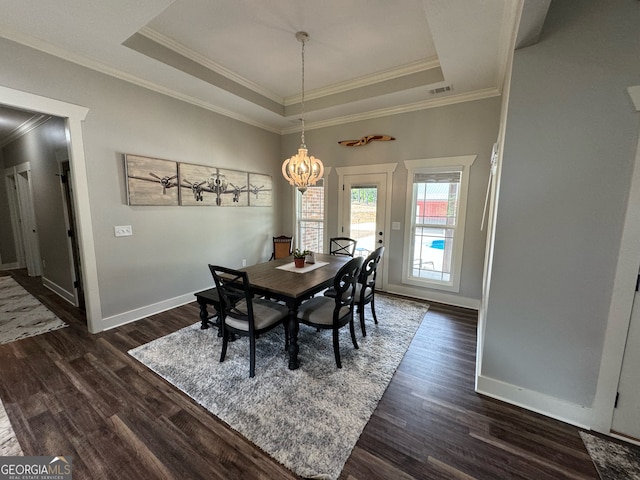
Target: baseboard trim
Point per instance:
(58, 290)
(139, 313)
(9, 266)
(440, 297)
(567, 412)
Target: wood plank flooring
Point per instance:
(72, 393)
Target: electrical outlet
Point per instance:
(244, 262)
(123, 230)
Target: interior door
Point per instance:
(70, 221)
(626, 415)
(28, 220)
(364, 214)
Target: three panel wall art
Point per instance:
(153, 181)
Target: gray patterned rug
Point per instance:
(308, 419)
(613, 461)
(21, 314)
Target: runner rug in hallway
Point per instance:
(613, 460)
(21, 314)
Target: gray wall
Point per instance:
(168, 253)
(569, 150)
(38, 147)
(464, 129)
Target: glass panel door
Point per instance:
(362, 223)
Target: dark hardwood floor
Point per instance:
(72, 393)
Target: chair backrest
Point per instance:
(233, 287)
(369, 272)
(344, 284)
(342, 246)
(281, 247)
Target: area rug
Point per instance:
(308, 419)
(613, 461)
(9, 446)
(21, 314)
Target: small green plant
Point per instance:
(297, 253)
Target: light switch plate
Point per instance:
(123, 230)
(395, 225)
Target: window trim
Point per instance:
(429, 165)
(296, 220)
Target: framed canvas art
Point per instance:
(260, 190)
(197, 184)
(151, 181)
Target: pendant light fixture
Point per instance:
(302, 170)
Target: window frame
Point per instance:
(460, 164)
(297, 197)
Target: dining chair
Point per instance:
(334, 313)
(365, 288)
(342, 246)
(243, 315)
(281, 247)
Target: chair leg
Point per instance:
(373, 308)
(353, 333)
(361, 316)
(336, 347)
(225, 341)
(252, 356)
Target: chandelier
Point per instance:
(302, 170)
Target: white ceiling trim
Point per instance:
(26, 127)
(119, 74)
(508, 34)
(365, 81)
(206, 62)
(412, 107)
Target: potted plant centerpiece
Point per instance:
(299, 256)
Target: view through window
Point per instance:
(310, 215)
(435, 207)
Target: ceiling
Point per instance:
(364, 58)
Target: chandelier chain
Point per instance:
(302, 101)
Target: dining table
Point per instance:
(281, 280)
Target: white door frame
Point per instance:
(11, 187)
(27, 219)
(74, 115)
(621, 304)
(383, 168)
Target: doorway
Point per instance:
(74, 116)
(363, 212)
(23, 218)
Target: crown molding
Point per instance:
(365, 81)
(34, 122)
(113, 72)
(83, 61)
(411, 107)
(511, 16)
(206, 62)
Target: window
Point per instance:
(436, 205)
(310, 218)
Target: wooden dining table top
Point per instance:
(267, 279)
